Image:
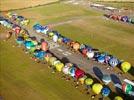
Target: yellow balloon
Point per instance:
(82, 79)
(125, 66)
(97, 87)
(118, 98)
(59, 66)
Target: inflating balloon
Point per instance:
(126, 88)
(79, 73)
(59, 66)
(89, 81)
(97, 87)
(118, 98)
(106, 79)
(51, 60)
(82, 79)
(72, 71)
(76, 46)
(105, 91)
(125, 66)
(113, 62)
(55, 38)
(44, 46)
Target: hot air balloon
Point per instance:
(51, 34)
(66, 68)
(82, 79)
(105, 91)
(48, 56)
(97, 87)
(39, 54)
(84, 52)
(44, 46)
(79, 73)
(118, 98)
(89, 81)
(20, 40)
(126, 88)
(90, 54)
(101, 58)
(55, 38)
(28, 44)
(51, 60)
(76, 46)
(59, 66)
(72, 71)
(56, 62)
(125, 66)
(113, 62)
(106, 79)
(107, 58)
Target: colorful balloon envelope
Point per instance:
(89, 81)
(56, 62)
(72, 71)
(106, 79)
(76, 46)
(20, 40)
(55, 38)
(125, 66)
(118, 98)
(79, 73)
(113, 62)
(105, 91)
(51, 60)
(97, 87)
(90, 54)
(101, 59)
(126, 88)
(44, 46)
(66, 69)
(48, 56)
(59, 66)
(82, 79)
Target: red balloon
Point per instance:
(79, 73)
(44, 46)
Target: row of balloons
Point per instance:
(85, 50)
(120, 18)
(20, 19)
(40, 51)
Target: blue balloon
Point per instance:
(101, 58)
(113, 62)
(72, 71)
(66, 40)
(39, 54)
(20, 40)
(105, 91)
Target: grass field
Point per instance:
(18, 4)
(125, 5)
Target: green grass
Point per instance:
(126, 5)
(23, 79)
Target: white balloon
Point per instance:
(55, 38)
(90, 54)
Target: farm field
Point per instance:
(19, 4)
(25, 79)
